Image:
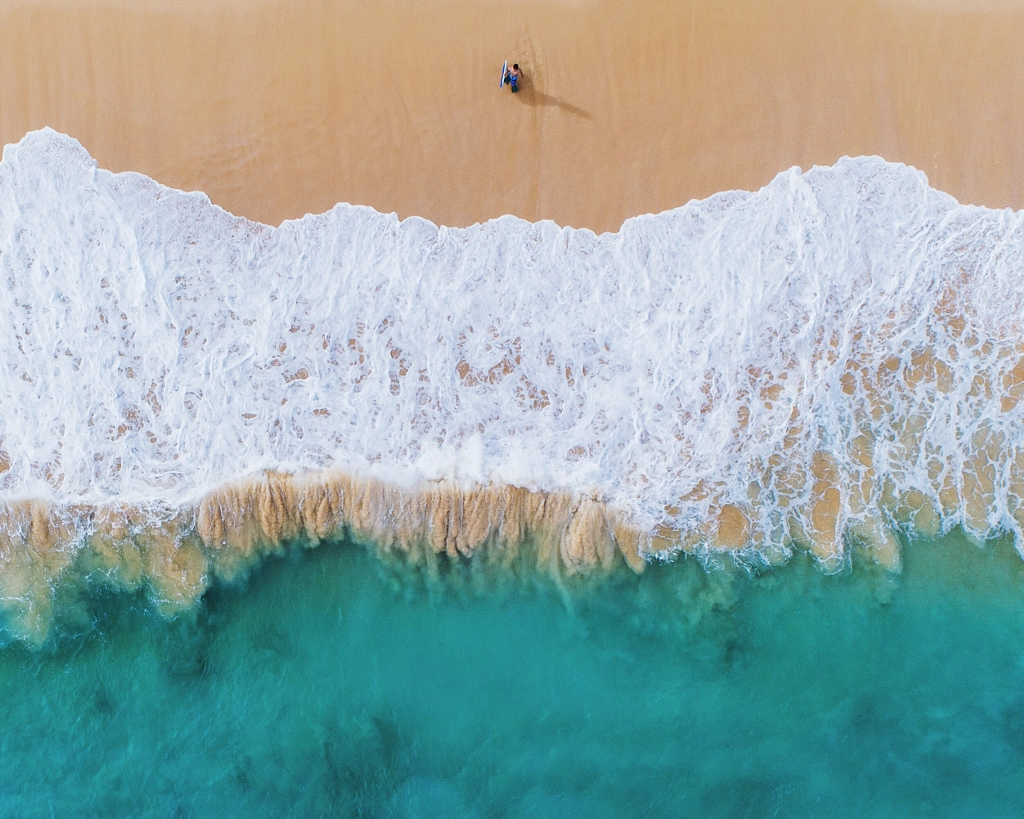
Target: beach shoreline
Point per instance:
(278, 110)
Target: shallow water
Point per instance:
(837, 352)
(332, 684)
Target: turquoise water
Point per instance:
(331, 684)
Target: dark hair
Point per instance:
(515, 66)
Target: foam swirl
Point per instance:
(814, 364)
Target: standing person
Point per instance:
(512, 77)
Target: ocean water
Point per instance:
(716, 515)
(332, 683)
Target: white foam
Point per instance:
(153, 346)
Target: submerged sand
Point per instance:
(276, 109)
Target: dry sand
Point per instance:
(276, 109)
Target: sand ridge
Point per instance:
(50, 551)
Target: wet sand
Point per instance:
(278, 109)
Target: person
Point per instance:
(512, 77)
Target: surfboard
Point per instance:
(504, 68)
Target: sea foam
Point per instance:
(813, 365)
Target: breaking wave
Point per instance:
(815, 365)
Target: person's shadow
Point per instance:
(529, 95)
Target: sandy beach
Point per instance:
(278, 109)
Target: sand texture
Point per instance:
(278, 109)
